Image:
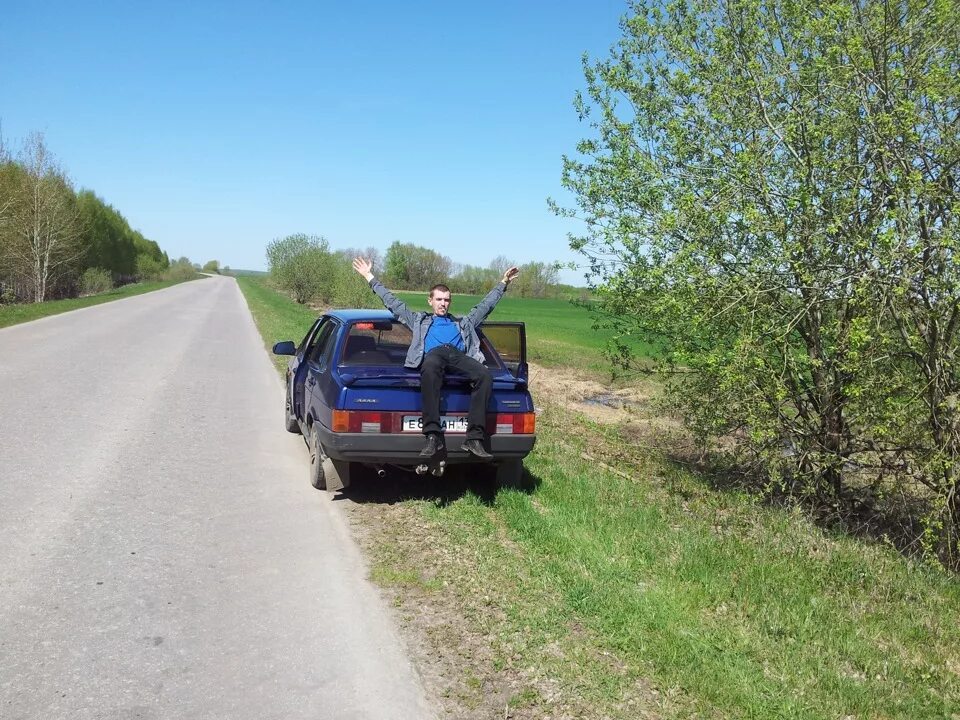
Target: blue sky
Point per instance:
(216, 127)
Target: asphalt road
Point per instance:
(162, 554)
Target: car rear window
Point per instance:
(385, 343)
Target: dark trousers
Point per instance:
(432, 372)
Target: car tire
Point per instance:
(290, 420)
(510, 473)
(317, 476)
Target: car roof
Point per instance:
(350, 315)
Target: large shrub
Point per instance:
(148, 267)
(95, 280)
(302, 265)
(771, 196)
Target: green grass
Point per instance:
(653, 593)
(643, 592)
(15, 314)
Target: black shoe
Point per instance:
(475, 447)
(433, 446)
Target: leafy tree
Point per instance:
(500, 264)
(42, 224)
(370, 253)
(771, 195)
(474, 280)
(49, 234)
(106, 235)
(412, 267)
(181, 269)
(151, 261)
(536, 279)
(301, 264)
(11, 180)
(347, 288)
(149, 268)
(396, 265)
(211, 266)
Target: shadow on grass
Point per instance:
(456, 483)
(869, 512)
(866, 513)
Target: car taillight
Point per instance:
(341, 421)
(357, 421)
(515, 423)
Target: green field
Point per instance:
(559, 332)
(618, 585)
(15, 314)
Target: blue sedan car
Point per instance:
(355, 403)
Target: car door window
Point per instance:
(305, 343)
(321, 344)
(509, 340)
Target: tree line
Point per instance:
(407, 266)
(307, 268)
(771, 194)
(58, 242)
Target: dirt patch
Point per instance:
(635, 409)
(566, 388)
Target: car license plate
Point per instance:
(449, 423)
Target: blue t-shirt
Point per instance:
(443, 331)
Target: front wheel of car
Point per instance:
(290, 420)
(317, 476)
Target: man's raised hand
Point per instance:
(364, 267)
(510, 274)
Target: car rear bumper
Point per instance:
(404, 449)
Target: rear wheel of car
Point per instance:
(290, 420)
(317, 476)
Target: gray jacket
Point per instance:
(420, 322)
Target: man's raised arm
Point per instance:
(483, 308)
(389, 300)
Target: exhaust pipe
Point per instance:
(381, 473)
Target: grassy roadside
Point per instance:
(616, 585)
(637, 592)
(276, 316)
(15, 314)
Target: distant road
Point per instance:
(162, 554)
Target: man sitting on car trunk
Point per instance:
(441, 340)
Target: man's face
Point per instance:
(439, 301)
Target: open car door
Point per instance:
(510, 341)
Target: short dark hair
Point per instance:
(439, 286)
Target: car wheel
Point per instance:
(317, 476)
(290, 420)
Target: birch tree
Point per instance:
(43, 224)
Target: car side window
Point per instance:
(328, 353)
(310, 333)
(322, 343)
